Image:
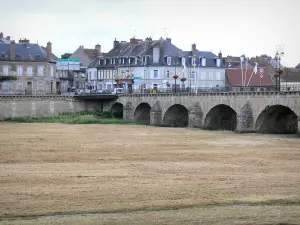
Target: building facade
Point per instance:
(86, 56)
(32, 67)
(151, 64)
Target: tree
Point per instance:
(66, 55)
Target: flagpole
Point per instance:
(245, 75)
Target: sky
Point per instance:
(234, 27)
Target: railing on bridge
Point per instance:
(284, 88)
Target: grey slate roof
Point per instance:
(145, 48)
(24, 52)
(298, 66)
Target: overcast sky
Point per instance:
(235, 27)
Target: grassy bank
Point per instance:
(73, 118)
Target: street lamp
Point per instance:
(278, 56)
(175, 78)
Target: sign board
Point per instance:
(68, 64)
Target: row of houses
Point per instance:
(140, 64)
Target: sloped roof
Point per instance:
(298, 66)
(24, 52)
(141, 48)
(290, 75)
(91, 53)
(234, 76)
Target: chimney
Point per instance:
(25, 41)
(169, 40)
(8, 38)
(220, 55)
(133, 41)
(148, 39)
(98, 48)
(194, 47)
(116, 43)
(49, 50)
(12, 50)
(1, 35)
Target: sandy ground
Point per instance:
(146, 175)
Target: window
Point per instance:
(203, 61)
(5, 85)
(218, 75)
(20, 85)
(95, 75)
(29, 71)
(203, 76)
(82, 75)
(193, 74)
(129, 60)
(20, 70)
(5, 70)
(41, 85)
(155, 73)
(169, 61)
(218, 62)
(193, 61)
(90, 75)
(76, 75)
(183, 61)
(120, 61)
(123, 61)
(168, 74)
(211, 76)
(156, 55)
(136, 60)
(51, 71)
(40, 70)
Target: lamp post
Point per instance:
(278, 56)
(175, 78)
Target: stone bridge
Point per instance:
(264, 112)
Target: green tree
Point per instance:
(66, 55)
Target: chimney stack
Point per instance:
(1, 35)
(25, 41)
(12, 50)
(8, 38)
(169, 40)
(133, 41)
(194, 47)
(220, 55)
(98, 48)
(49, 50)
(116, 43)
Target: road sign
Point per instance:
(68, 64)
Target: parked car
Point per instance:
(106, 92)
(97, 91)
(118, 91)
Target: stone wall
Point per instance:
(16, 106)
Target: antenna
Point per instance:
(134, 32)
(165, 31)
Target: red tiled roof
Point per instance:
(234, 76)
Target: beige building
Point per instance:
(33, 67)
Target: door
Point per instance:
(29, 88)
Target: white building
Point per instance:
(152, 64)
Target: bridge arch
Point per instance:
(221, 117)
(277, 119)
(142, 113)
(117, 110)
(176, 116)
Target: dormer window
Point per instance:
(129, 60)
(203, 61)
(146, 60)
(218, 62)
(183, 61)
(123, 61)
(193, 61)
(105, 61)
(136, 61)
(169, 61)
(120, 60)
(111, 61)
(99, 63)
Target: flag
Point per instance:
(255, 68)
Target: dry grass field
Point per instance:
(125, 174)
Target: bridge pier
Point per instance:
(195, 117)
(128, 112)
(156, 115)
(299, 126)
(244, 124)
